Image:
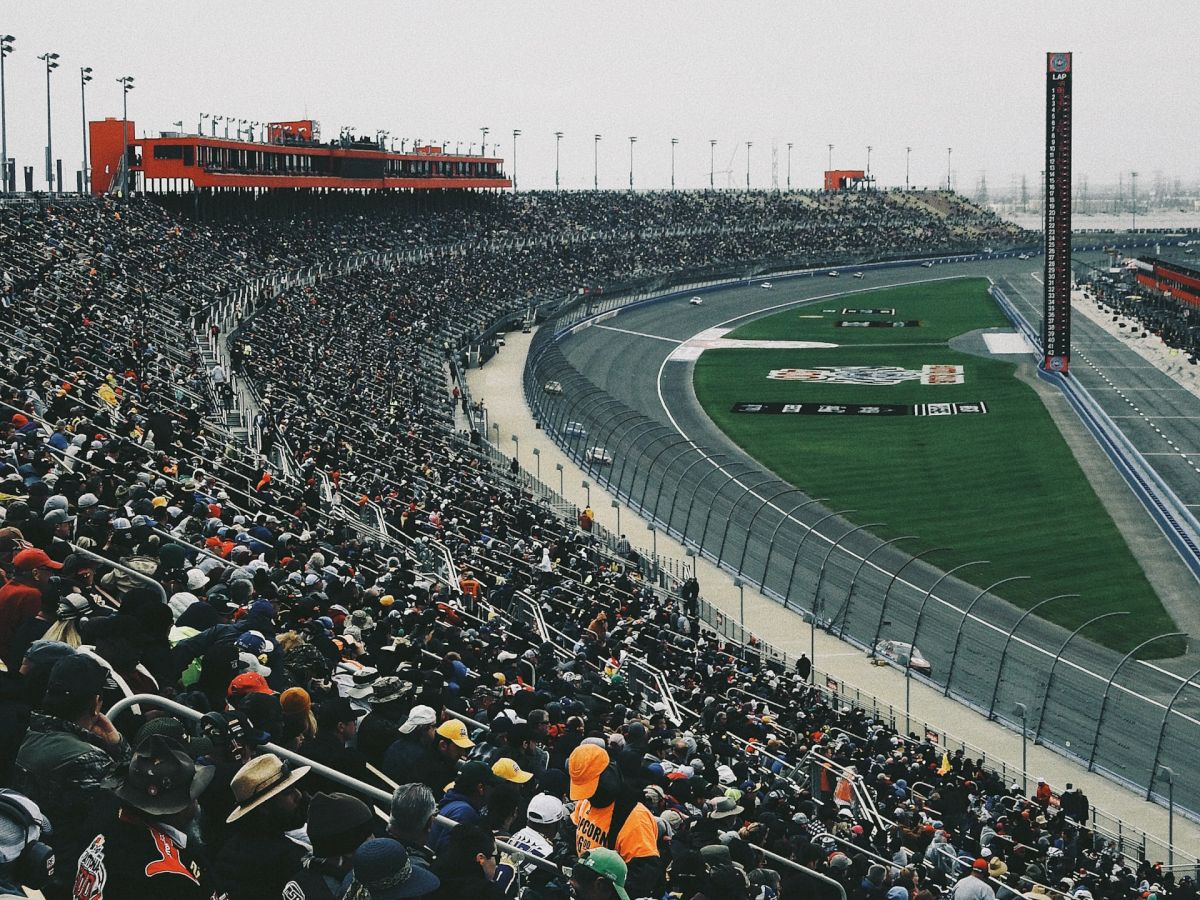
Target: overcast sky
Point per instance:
(929, 75)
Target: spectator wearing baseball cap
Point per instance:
(463, 800)
(539, 838)
(257, 857)
(599, 874)
(70, 754)
(337, 724)
(438, 763)
(21, 597)
(604, 806)
(141, 851)
(974, 885)
(415, 736)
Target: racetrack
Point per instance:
(626, 358)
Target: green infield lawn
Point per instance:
(1001, 486)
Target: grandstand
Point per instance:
(248, 450)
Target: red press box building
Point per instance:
(845, 179)
(1179, 281)
(292, 157)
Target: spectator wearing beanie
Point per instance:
(299, 723)
(337, 723)
(382, 870)
(338, 824)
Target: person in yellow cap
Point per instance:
(509, 770)
(609, 815)
(438, 764)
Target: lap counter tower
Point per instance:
(1056, 316)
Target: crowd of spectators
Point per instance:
(1172, 320)
(507, 702)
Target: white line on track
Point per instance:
(656, 337)
(787, 513)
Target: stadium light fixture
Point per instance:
(596, 162)
(215, 120)
(587, 486)
(559, 467)
(869, 149)
(830, 157)
(516, 134)
(948, 151)
(632, 141)
(907, 157)
(51, 60)
(126, 82)
(789, 166)
(741, 586)
(85, 75)
(6, 47)
(483, 133)
(1023, 711)
(537, 455)
(650, 527)
(674, 141)
(712, 162)
(616, 504)
(749, 144)
(558, 135)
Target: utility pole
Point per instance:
(948, 149)
(596, 163)
(85, 75)
(632, 141)
(712, 162)
(749, 144)
(6, 46)
(830, 167)
(516, 134)
(674, 141)
(557, 141)
(789, 166)
(907, 160)
(126, 82)
(51, 65)
(483, 133)
(868, 166)
(1133, 198)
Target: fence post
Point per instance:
(729, 518)
(650, 468)
(771, 548)
(1050, 678)
(1163, 728)
(754, 518)
(845, 607)
(962, 623)
(795, 559)
(674, 497)
(896, 575)
(1008, 640)
(1108, 687)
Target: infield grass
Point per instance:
(1003, 486)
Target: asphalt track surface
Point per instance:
(708, 490)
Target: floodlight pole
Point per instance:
(6, 47)
(712, 162)
(789, 166)
(596, 162)
(674, 141)
(85, 75)
(557, 143)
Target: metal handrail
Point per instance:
(359, 787)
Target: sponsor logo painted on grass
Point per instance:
(887, 311)
(875, 323)
(871, 375)
(860, 409)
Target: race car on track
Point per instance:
(903, 655)
(575, 429)
(927, 265)
(832, 273)
(858, 275)
(697, 301)
(599, 456)
(1023, 256)
(553, 387)
(766, 285)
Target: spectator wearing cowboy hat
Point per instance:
(258, 857)
(381, 726)
(142, 850)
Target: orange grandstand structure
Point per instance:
(291, 157)
(846, 179)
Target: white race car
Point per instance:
(599, 456)
(697, 301)
(1023, 256)
(927, 265)
(553, 387)
(858, 275)
(575, 429)
(833, 273)
(766, 285)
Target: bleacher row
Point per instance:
(360, 579)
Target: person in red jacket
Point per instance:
(21, 597)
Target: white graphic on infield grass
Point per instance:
(714, 339)
(871, 375)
